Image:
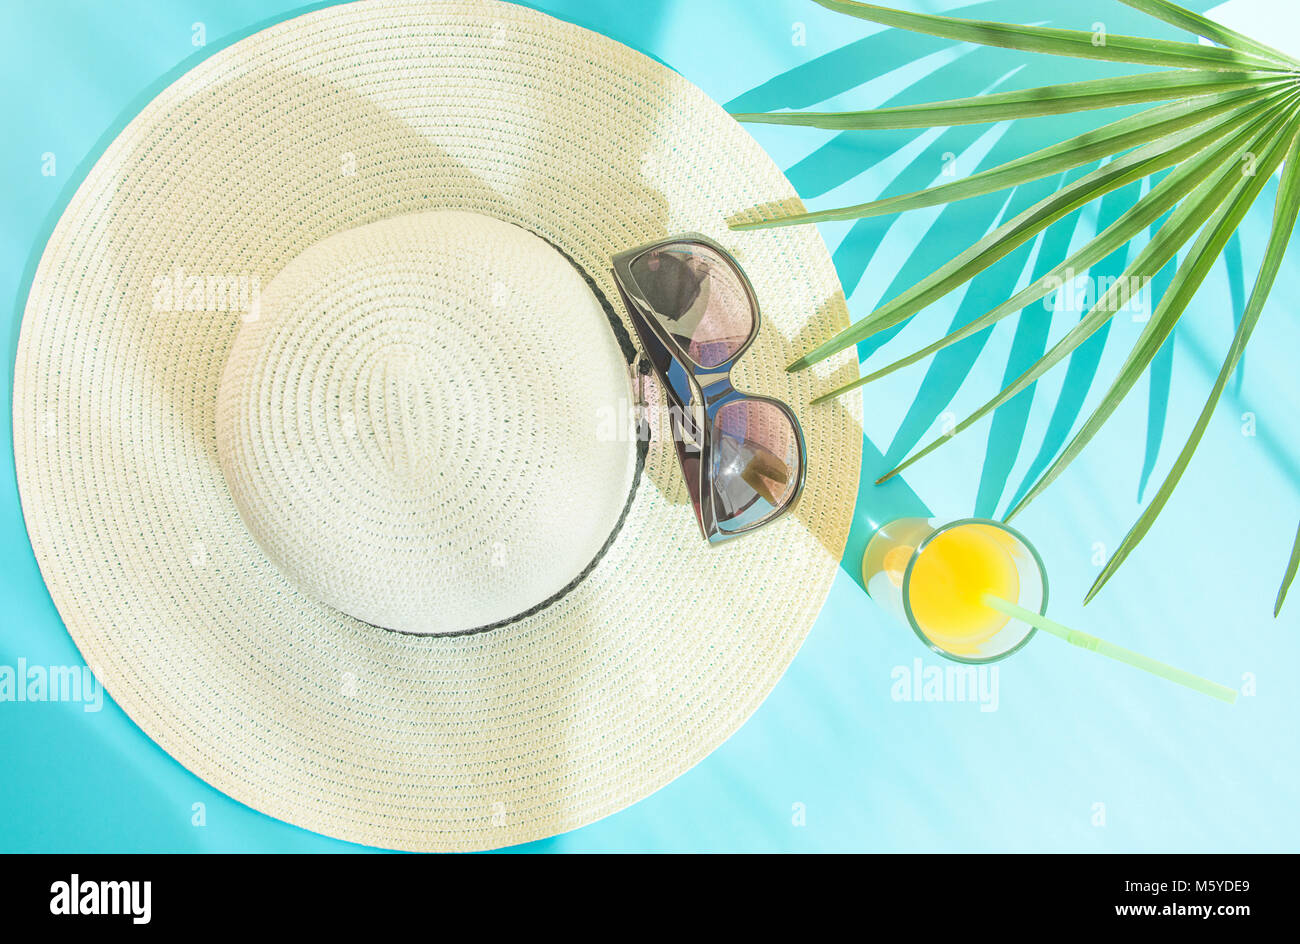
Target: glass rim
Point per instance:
(907, 580)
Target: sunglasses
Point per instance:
(695, 313)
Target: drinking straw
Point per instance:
(1102, 647)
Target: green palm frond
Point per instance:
(1124, 170)
(1081, 149)
(1206, 29)
(1233, 53)
(1030, 103)
(1163, 197)
(1291, 567)
(1284, 220)
(1221, 104)
(1187, 279)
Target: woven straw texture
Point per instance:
(448, 380)
(343, 117)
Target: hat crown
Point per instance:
(408, 437)
(420, 425)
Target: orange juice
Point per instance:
(950, 577)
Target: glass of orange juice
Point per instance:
(933, 575)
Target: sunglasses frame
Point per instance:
(696, 392)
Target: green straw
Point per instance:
(1101, 646)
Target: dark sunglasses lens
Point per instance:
(755, 462)
(699, 298)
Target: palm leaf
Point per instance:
(1062, 42)
(1165, 195)
(1189, 217)
(1142, 128)
(1284, 219)
(1291, 566)
(1239, 96)
(1027, 103)
(1002, 240)
(1214, 32)
(1187, 280)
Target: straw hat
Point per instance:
(319, 424)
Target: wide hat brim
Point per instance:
(340, 117)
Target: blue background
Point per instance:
(1080, 754)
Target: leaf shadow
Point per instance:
(1081, 367)
(949, 368)
(1235, 269)
(1032, 328)
(1160, 376)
